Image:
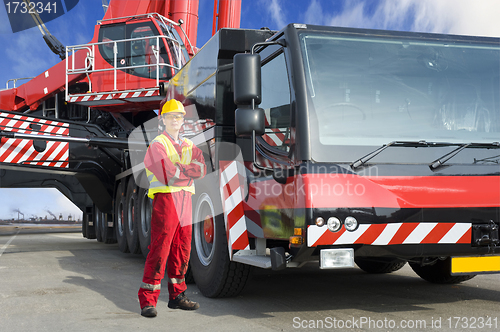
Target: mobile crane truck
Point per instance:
(323, 144)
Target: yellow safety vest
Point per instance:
(155, 186)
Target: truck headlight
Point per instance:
(351, 224)
(333, 224)
(320, 221)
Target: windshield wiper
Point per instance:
(440, 161)
(436, 163)
(363, 160)
(490, 160)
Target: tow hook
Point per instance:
(279, 258)
(485, 234)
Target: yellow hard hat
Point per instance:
(172, 106)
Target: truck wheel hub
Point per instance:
(208, 228)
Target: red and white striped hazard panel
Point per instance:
(232, 203)
(393, 233)
(111, 96)
(22, 151)
(252, 217)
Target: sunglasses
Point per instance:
(173, 116)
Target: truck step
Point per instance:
(263, 262)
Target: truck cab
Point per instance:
(385, 128)
(369, 147)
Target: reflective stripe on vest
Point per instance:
(156, 186)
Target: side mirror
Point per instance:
(247, 79)
(163, 88)
(248, 120)
(247, 94)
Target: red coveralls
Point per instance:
(170, 222)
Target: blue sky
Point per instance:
(25, 54)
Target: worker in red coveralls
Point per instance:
(172, 164)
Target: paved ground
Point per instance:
(62, 282)
(13, 229)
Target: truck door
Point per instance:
(274, 148)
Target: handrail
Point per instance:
(148, 15)
(15, 81)
(89, 65)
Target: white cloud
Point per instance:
(388, 14)
(275, 9)
(314, 13)
(469, 17)
(353, 14)
(393, 14)
(478, 17)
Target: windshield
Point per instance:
(178, 50)
(368, 92)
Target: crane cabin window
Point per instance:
(142, 51)
(139, 52)
(177, 50)
(110, 36)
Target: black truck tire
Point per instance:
(131, 230)
(119, 215)
(379, 264)
(439, 272)
(188, 277)
(90, 232)
(107, 231)
(84, 226)
(214, 273)
(98, 221)
(143, 210)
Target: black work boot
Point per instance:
(148, 311)
(182, 302)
